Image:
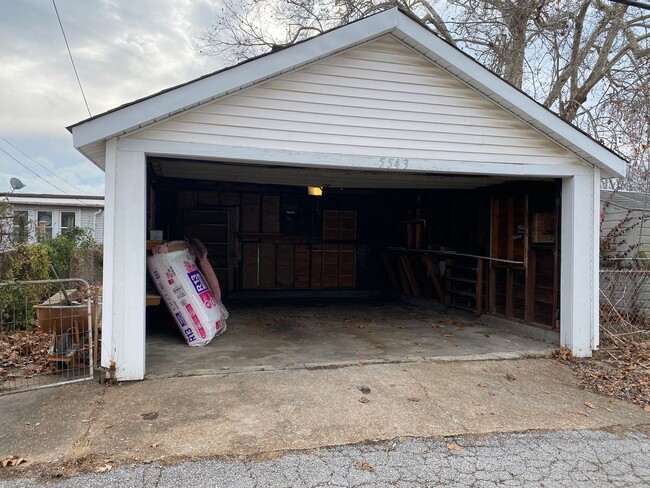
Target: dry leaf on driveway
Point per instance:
(363, 400)
(363, 466)
(589, 405)
(104, 469)
(413, 399)
(12, 460)
(647, 408)
(452, 446)
(482, 385)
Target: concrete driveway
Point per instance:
(269, 413)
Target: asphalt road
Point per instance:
(572, 458)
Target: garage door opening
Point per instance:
(380, 266)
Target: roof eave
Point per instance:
(509, 97)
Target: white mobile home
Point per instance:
(57, 212)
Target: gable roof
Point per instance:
(49, 200)
(89, 135)
(626, 200)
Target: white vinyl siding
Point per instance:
(95, 223)
(633, 232)
(379, 99)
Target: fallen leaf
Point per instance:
(413, 399)
(510, 377)
(452, 446)
(103, 469)
(647, 408)
(482, 385)
(589, 405)
(363, 400)
(12, 460)
(608, 409)
(363, 466)
(579, 412)
(364, 389)
(154, 445)
(446, 334)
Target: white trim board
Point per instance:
(341, 161)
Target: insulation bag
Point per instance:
(188, 297)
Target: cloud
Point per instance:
(123, 50)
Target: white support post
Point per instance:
(109, 239)
(123, 325)
(579, 264)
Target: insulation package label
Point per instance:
(188, 296)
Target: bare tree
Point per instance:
(588, 60)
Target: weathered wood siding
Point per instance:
(379, 99)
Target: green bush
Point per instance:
(31, 262)
(62, 247)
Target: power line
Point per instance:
(44, 167)
(71, 60)
(632, 3)
(34, 172)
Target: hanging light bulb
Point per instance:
(315, 191)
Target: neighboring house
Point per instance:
(403, 132)
(625, 223)
(57, 212)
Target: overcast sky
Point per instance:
(123, 49)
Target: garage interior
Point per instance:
(326, 267)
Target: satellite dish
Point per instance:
(16, 184)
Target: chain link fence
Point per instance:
(625, 298)
(48, 333)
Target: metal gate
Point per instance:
(48, 333)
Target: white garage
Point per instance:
(439, 180)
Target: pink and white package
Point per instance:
(187, 295)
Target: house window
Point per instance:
(46, 217)
(67, 221)
(20, 230)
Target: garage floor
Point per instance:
(303, 333)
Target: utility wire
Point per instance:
(71, 60)
(44, 167)
(632, 3)
(35, 173)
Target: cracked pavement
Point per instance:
(577, 458)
